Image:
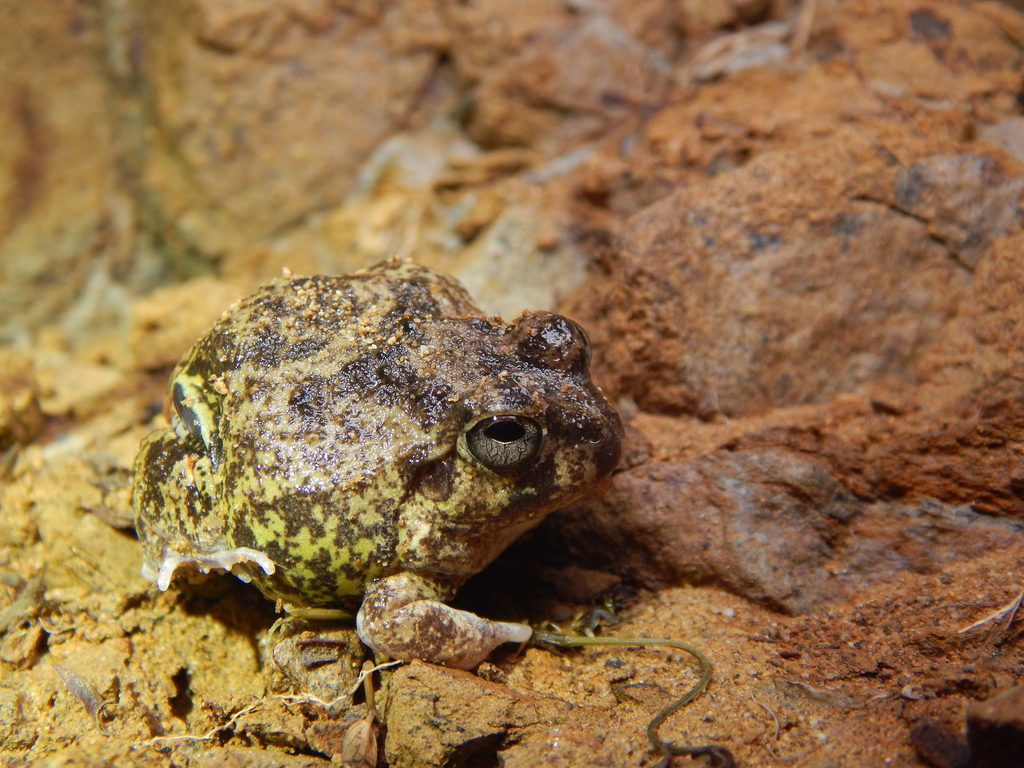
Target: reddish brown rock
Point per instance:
(940, 746)
(792, 279)
(562, 746)
(995, 730)
(761, 523)
(439, 716)
(965, 199)
(570, 85)
(769, 524)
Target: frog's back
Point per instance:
(327, 411)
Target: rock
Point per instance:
(1008, 135)
(887, 538)
(566, 87)
(319, 659)
(766, 523)
(995, 730)
(56, 160)
(438, 716)
(264, 111)
(959, 458)
(778, 283)
(494, 265)
(760, 523)
(562, 746)
(21, 418)
(251, 757)
(166, 322)
(940, 746)
(966, 200)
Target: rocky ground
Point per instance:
(793, 233)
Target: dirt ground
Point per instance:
(793, 232)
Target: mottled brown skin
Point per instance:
(373, 439)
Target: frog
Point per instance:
(365, 443)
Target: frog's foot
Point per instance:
(400, 618)
(235, 561)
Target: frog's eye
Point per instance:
(189, 418)
(195, 419)
(504, 442)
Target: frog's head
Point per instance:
(535, 432)
(543, 409)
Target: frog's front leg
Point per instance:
(402, 617)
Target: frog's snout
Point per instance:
(608, 449)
